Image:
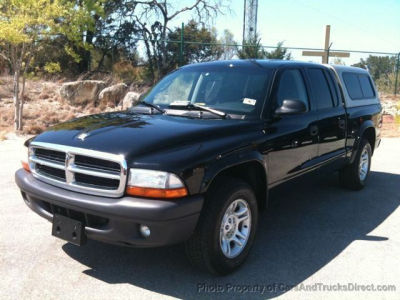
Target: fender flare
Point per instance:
(233, 159)
(357, 140)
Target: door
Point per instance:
(331, 114)
(291, 139)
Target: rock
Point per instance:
(130, 99)
(390, 108)
(112, 95)
(81, 92)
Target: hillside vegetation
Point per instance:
(44, 107)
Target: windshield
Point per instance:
(233, 90)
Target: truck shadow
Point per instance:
(310, 221)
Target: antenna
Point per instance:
(250, 20)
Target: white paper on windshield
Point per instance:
(249, 101)
(179, 103)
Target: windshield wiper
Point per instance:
(156, 107)
(211, 110)
(203, 108)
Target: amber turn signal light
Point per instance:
(25, 165)
(156, 193)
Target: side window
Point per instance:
(358, 86)
(366, 86)
(353, 85)
(292, 87)
(333, 86)
(320, 89)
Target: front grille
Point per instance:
(50, 155)
(97, 181)
(78, 169)
(101, 164)
(51, 172)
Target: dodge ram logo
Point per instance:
(82, 136)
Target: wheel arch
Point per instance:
(367, 130)
(251, 170)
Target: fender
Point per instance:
(229, 160)
(358, 136)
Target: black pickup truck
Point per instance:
(194, 160)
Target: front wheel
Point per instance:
(355, 175)
(226, 228)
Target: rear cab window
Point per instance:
(323, 89)
(359, 86)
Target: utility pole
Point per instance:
(181, 46)
(326, 53)
(250, 20)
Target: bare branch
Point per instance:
(5, 57)
(187, 8)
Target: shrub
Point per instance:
(52, 67)
(386, 83)
(127, 73)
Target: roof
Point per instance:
(266, 63)
(272, 63)
(341, 68)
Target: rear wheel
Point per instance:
(355, 175)
(226, 228)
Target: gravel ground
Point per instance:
(315, 233)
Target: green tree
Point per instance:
(253, 49)
(152, 21)
(25, 24)
(279, 52)
(201, 45)
(378, 66)
(116, 35)
(82, 34)
(229, 45)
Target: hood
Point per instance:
(136, 134)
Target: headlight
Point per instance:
(24, 157)
(155, 184)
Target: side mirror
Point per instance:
(290, 107)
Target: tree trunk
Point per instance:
(157, 72)
(23, 87)
(20, 116)
(149, 57)
(21, 103)
(17, 101)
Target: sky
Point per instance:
(368, 25)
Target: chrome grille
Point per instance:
(77, 169)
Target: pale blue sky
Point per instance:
(370, 25)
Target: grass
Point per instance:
(3, 135)
(43, 106)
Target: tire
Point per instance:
(354, 176)
(205, 248)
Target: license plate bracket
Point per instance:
(69, 230)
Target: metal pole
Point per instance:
(244, 22)
(397, 74)
(327, 46)
(181, 47)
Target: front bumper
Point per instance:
(115, 220)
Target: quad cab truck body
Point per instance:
(194, 161)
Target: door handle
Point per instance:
(342, 124)
(314, 130)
